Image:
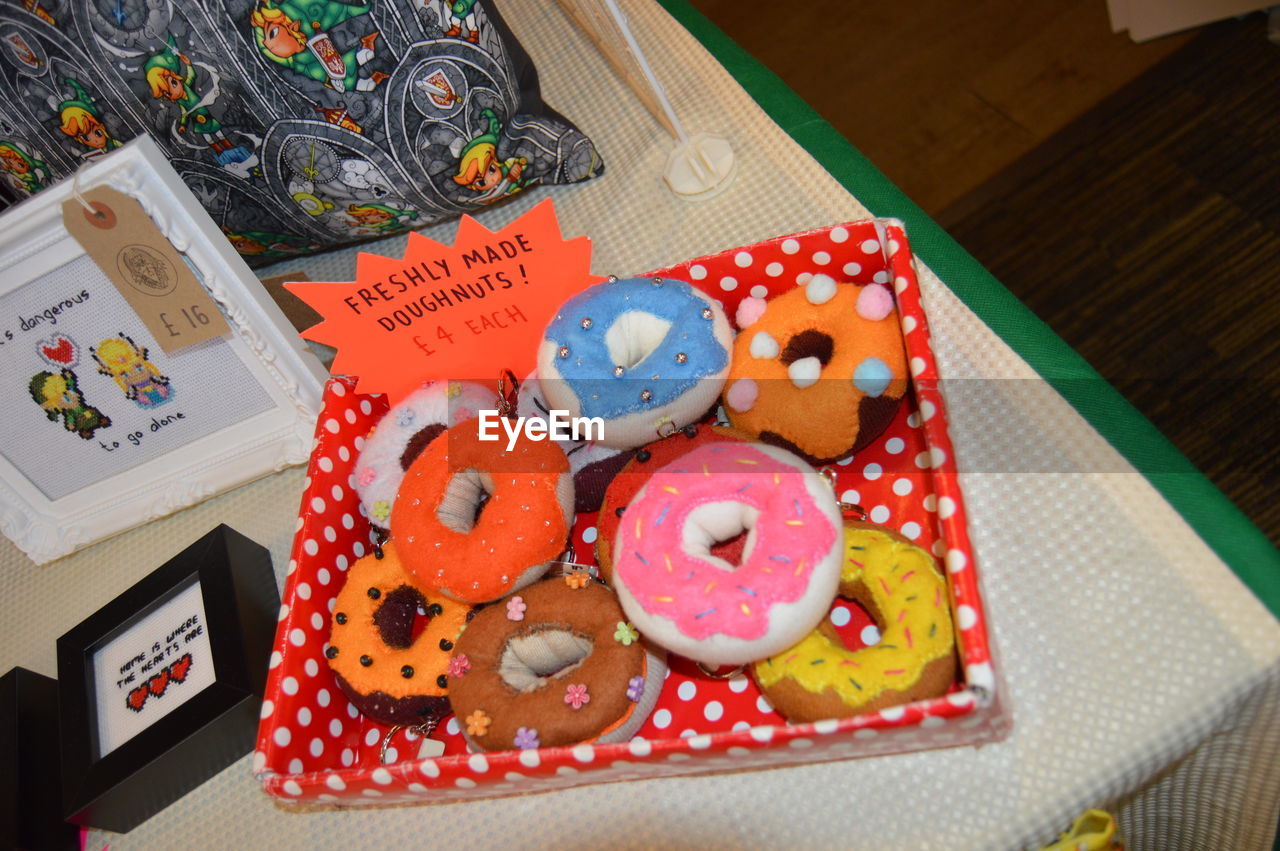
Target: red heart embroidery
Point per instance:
(178, 670)
(159, 683)
(59, 349)
(136, 698)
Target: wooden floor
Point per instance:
(940, 96)
(1129, 194)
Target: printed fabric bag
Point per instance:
(300, 124)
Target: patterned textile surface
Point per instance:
(1144, 678)
(300, 124)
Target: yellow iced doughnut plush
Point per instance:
(899, 585)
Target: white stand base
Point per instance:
(701, 167)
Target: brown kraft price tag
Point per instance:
(145, 267)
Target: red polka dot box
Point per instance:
(314, 746)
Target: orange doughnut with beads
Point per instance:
(475, 521)
(389, 674)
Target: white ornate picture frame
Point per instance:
(226, 411)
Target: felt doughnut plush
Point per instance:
(556, 664)
(644, 463)
(402, 434)
(900, 586)
(646, 355)
(819, 370)
(390, 674)
(593, 464)
(696, 604)
(476, 521)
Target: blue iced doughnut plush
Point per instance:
(643, 354)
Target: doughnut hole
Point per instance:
(401, 617)
(849, 633)
(808, 344)
(465, 498)
(730, 549)
(634, 336)
(722, 533)
(419, 442)
(529, 661)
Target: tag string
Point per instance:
(78, 196)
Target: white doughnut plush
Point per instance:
(380, 468)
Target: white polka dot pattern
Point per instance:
(906, 479)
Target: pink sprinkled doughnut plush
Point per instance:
(698, 605)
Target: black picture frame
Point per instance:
(211, 729)
(30, 772)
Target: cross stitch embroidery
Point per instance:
(126, 363)
(58, 395)
(159, 683)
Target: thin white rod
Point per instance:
(621, 20)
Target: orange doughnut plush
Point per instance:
(387, 673)
(475, 521)
(819, 370)
(646, 461)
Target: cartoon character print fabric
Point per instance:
(58, 393)
(299, 124)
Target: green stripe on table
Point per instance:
(1214, 517)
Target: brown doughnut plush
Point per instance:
(386, 673)
(627, 483)
(556, 664)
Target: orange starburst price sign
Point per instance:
(467, 310)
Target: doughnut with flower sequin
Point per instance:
(402, 434)
(556, 664)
